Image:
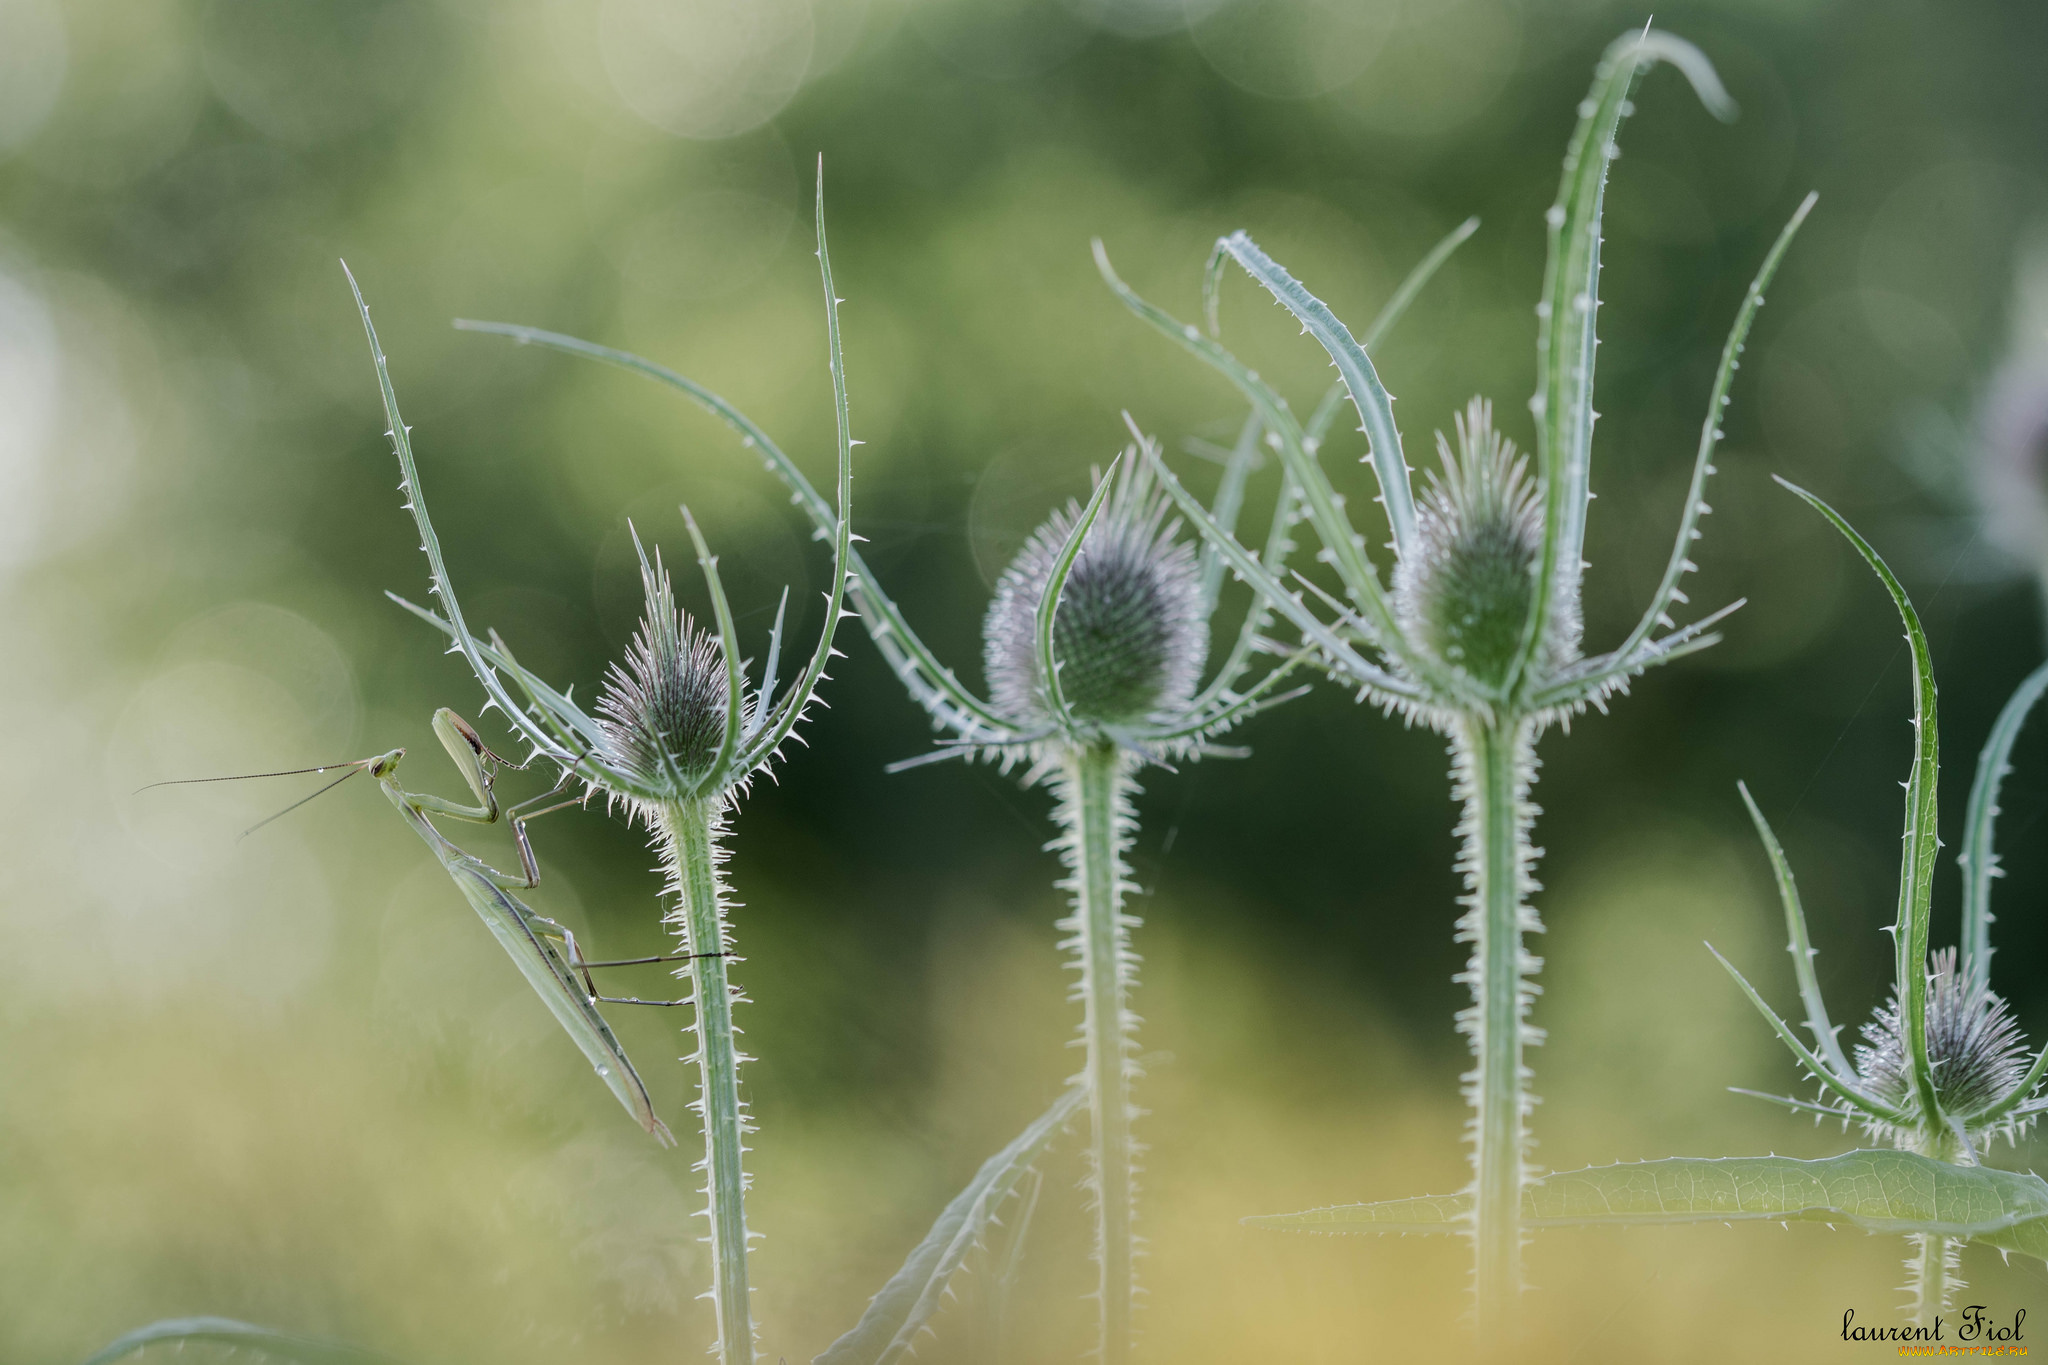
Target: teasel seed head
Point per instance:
(1973, 1044)
(1130, 634)
(663, 709)
(1464, 596)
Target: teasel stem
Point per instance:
(688, 835)
(1494, 762)
(1931, 1277)
(1095, 785)
(1932, 1265)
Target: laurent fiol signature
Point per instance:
(1974, 1325)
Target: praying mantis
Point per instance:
(544, 950)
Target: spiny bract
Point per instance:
(663, 710)
(1130, 632)
(1973, 1044)
(1464, 593)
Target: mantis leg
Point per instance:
(583, 966)
(489, 813)
(521, 813)
(477, 764)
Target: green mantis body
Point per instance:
(544, 951)
(559, 975)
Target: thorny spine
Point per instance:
(1094, 789)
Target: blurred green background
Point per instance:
(290, 1079)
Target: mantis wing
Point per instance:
(511, 921)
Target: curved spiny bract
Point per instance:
(1978, 858)
(1478, 635)
(1942, 1069)
(677, 735)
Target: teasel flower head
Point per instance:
(1130, 635)
(1464, 592)
(1973, 1045)
(662, 711)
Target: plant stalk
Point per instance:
(1494, 764)
(1095, 788)
(689, 846)
(1930, 1275)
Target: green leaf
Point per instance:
(571, 725)
(1980, 862)
(888, 1329)
(1878, 1191)
(719, 775)
(1237, 472)
(175, 1332)
(1921, 844)
(1279, 545)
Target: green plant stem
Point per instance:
(689, 845)
(1929, 1280)
(1095, 811)
(1495, 763)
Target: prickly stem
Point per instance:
(1095, 812)
(1494, 763)
(1931, 1279)
(688, 835)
